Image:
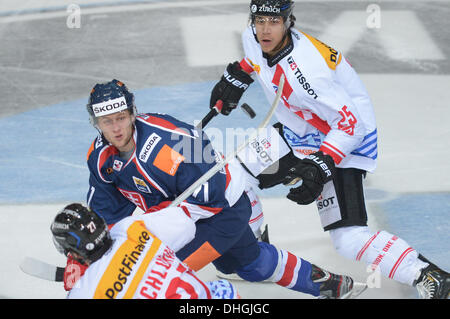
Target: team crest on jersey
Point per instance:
(141, 185)
(117, 166)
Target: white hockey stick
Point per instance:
(41, 269)
(213, 170)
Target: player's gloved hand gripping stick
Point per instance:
(213, 170)
(217, 108)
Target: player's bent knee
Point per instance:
(263, 266)
(348, 240)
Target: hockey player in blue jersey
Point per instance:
(147, 160)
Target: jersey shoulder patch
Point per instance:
(330, 55)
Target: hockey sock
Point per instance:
(281, 267)
(257, 217)
(382, 251)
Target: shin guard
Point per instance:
(281, 267)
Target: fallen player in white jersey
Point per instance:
(135, 259)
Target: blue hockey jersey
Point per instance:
(169, 156)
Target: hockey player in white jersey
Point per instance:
(135, 259)
(327, 119)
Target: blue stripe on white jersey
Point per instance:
(309, 140)
(369, 147)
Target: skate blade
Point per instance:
(358, 289)
(232, 276)
(235, 277)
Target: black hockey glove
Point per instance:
(230, 88)
(315, 170)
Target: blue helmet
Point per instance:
(108, 98)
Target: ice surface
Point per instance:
(48, 71)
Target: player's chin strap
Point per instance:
(213, 170)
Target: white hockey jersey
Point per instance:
(140, 263)
(324, 104)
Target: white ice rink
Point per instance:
(412, 112)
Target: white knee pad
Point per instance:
(389, 254)
(348, 240)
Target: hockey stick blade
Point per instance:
(41, 269)
(213, 170)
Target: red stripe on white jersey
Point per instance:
(246, 66)
(315, 121)
(201, 211)
(186, 211)
(312, 118)
(333, 151)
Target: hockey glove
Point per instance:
(73, 271)
(315, 170)
(230, 88)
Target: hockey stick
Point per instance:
(212, 113)
(41, 269)
(218, 108)
(213, 170)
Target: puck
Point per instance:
(248, 110)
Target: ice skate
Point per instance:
(433, 282)
(335, 286)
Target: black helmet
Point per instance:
(80, 230)
(277, 8)
(108, 98)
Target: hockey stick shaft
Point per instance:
(213, 170)
(216, 109)
(212, 113)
